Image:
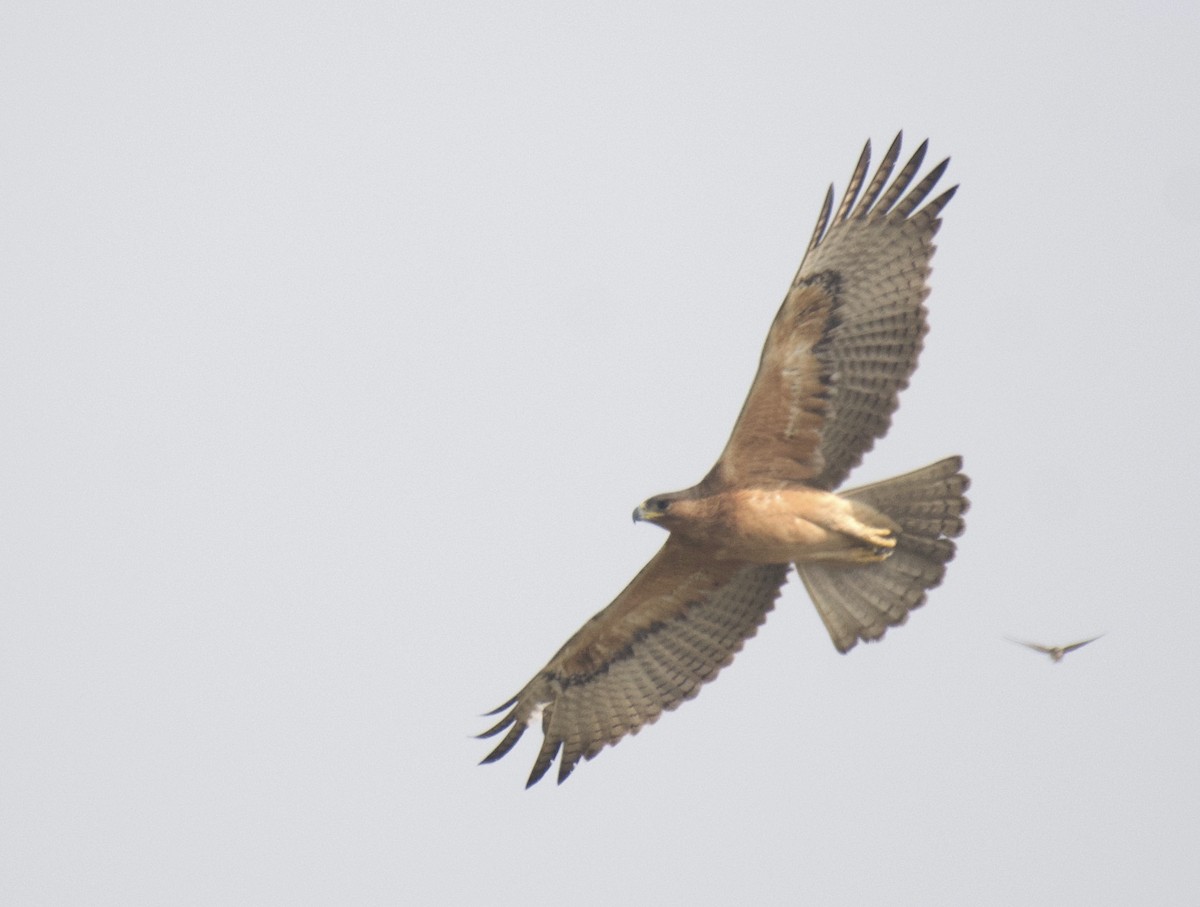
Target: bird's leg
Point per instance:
(866, 524)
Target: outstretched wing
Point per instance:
(672, 629)
(847, 336)
(1079, 645)
(1046, 650)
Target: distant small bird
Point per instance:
(1056, 653)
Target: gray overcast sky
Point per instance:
(339, 340)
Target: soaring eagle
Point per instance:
(841, 348)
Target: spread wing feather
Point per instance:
(680, 621)
(848, 335)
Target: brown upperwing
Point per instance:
(847, 336)
(673, 628)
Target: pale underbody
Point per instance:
(796, 524)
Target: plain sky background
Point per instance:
(338, 341)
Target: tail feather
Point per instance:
(862, 601)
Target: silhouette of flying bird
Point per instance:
(1056, 653)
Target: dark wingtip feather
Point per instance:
(879, 181)
(545, 758)
(855, 184)
(565, 768)
(919, 155)
(903, 178)
(509, 741)
(497, 727)
(500, 708)
(822, 220)
(934, 208)
(922, 189)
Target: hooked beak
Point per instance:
(641, 514)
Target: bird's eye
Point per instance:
(660, 505)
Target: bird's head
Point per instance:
(654, 510)
(674, 511)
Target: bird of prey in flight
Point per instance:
(840, 350)
(1056, 653)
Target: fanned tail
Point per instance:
(862, 601)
